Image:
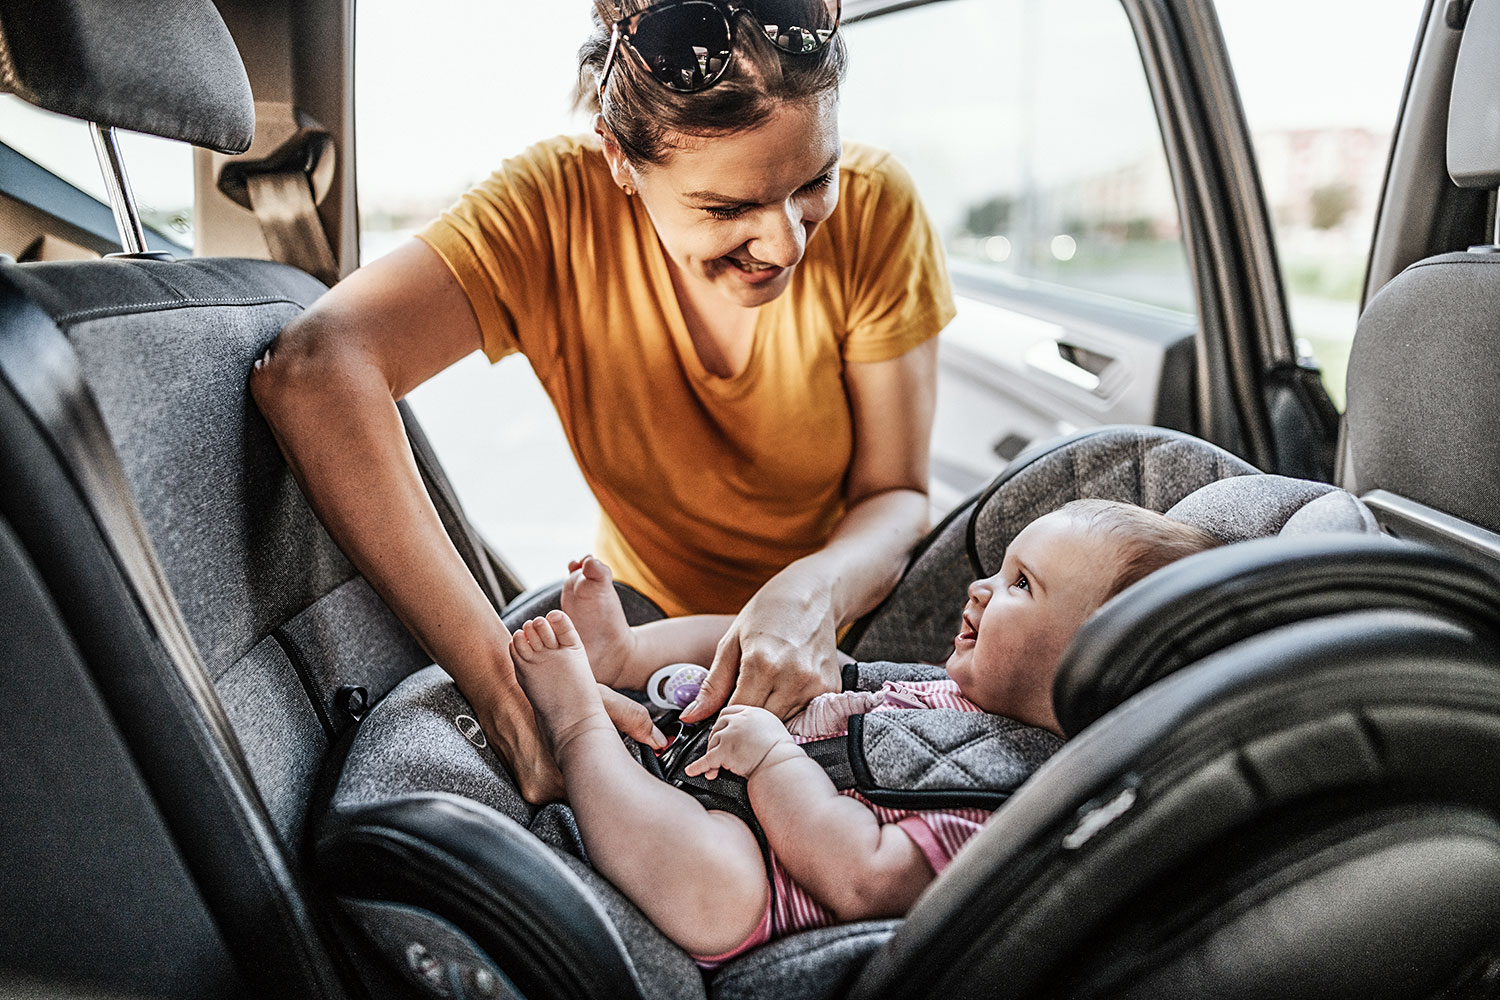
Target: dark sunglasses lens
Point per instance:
(797, 25)
(686, 45)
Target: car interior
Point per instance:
(228, 770)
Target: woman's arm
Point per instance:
(329, 386)
(780, 651)
(831, 844)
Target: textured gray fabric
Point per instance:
(664, 969)
(1335, 511)
(241, 549)
(164, 67)
(351, 638)
(943, 749)
(429, 952)
(812, 965)
(1148, 466)
(1474, 102)
(555, 825)
(870, 676)
(916, 622)
(410, 742)
(1247, 507)
(281, 737)
(1422, 421)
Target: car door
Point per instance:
(1090, 170)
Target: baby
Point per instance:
(699, 874)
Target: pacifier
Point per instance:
(676, 685)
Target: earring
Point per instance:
(629, 191)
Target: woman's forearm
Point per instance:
(866, 553)
(831, 844)
(338, 426)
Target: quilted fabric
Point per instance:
(940, 749)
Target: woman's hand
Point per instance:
(743, 740)
(779, 653)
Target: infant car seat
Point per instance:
(463, 868)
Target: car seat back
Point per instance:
(227, 636)
(1422, 420)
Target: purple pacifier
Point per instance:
(676, 685)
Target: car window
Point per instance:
(1031, 134)
(1321, 100)
(428, 133)
(160, 170)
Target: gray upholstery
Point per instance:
(1149, 466)
(925, 750)
(275, 609)
(1474, 104)
(810, 966)
(164, 67)
(1141, 465)
(412, 743)
(1422, 420)
(1246, 507)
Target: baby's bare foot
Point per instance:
(589, 598)
(554, 672)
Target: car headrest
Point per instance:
(1474, 106)
(164, 67)
(1197, 606)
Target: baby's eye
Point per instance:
(1021, 582)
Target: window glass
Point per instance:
(441, 100)
(1321, 102)
(1031, 133)
(160, 170)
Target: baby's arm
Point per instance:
(829, 843)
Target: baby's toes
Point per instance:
(562, 626)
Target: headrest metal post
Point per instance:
(127, 219)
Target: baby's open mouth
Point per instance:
(968, 630)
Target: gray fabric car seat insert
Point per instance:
(1307, 727)
(1149, 466)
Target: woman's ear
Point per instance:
(619, 166)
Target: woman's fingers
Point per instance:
(718, 684)
(631, 718)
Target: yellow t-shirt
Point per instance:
(708, 485)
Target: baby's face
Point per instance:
(1017, 623)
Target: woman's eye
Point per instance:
(726, 212)
(820, 183)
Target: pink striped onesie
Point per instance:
(938, 833)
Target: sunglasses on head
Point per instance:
(685, 44)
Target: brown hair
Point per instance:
(1148, 540)
(645, 117)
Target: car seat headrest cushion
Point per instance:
(1474, 104)
(1246, 507)
(163, 67)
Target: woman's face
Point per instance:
(735, 212)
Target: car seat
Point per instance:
(192, 664)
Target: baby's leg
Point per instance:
(626, 657)
(697, 874)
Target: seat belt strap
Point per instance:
(283, 204)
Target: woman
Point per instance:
(743, 362)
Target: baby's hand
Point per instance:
(742, 740)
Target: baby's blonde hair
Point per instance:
(1147, 540)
